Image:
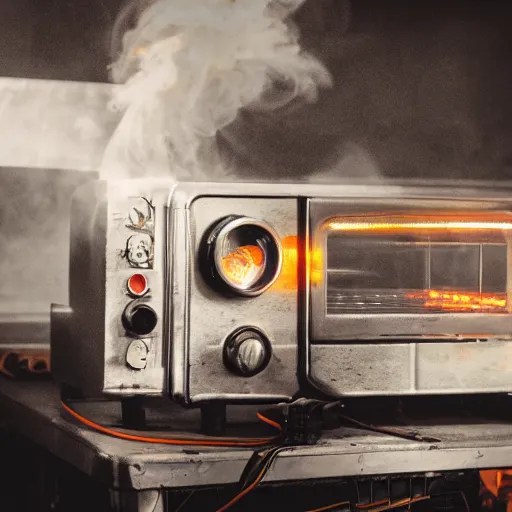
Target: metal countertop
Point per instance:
(32, 409)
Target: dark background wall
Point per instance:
(422, 89)
(56, 39)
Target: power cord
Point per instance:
(229, 442)
(254, 474)
(301, 422)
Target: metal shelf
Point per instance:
(33, 410)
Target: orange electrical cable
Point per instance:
(24, 361)
(247, 490)
(374, 504)
(374, 507)
(225, 442)
(400, 503)
(268, 421)
(329, 507)
(3, 359)
(256, 481)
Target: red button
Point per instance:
(137, 285)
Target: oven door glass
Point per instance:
(410, 273)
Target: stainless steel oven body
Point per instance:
(254, 292)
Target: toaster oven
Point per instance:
(236, 293)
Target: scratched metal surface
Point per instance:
(32, 409)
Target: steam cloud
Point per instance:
(188, 68)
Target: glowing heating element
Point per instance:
(412, 263)
(461, 301)
(244, 265)
(413, 226)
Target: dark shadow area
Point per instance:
(422, 90)
(39, 482)
(68, 40)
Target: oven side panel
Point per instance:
(78, 341)
(136, 219)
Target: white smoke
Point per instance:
(187, 69)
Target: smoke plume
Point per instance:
(185, 72)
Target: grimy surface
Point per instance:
(33, 410)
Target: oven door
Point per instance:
(409, 296)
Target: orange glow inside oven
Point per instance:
(391, 224)
(288, 278)
(426, 228)
(461, 301)
(241, 265)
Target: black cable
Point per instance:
(253, 470)
(404, 434)
(254, 473)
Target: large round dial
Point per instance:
(243, 255)
(247, 352)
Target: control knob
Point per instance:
(247, 352)
(139, 318)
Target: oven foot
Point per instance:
(70, 393)
(134, 413)
(213, 419)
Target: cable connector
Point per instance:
(303, 421)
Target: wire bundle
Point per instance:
(270, 447)
(254, 473)
(258, 465)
